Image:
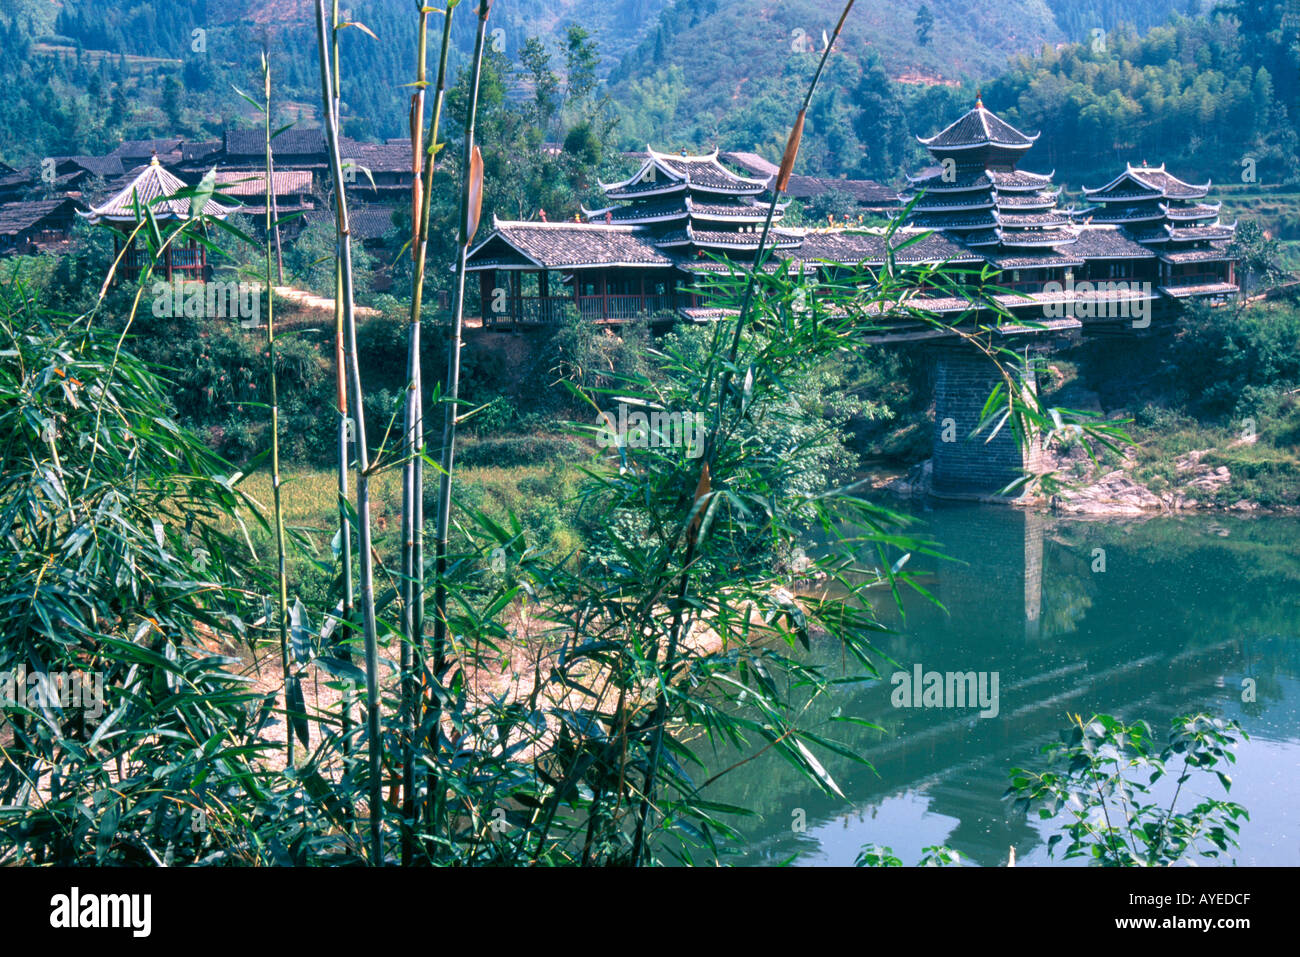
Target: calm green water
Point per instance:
(1185, 609)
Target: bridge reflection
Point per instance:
(1154, 635)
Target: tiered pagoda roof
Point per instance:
(979, 194)
(1162, 212)
(153, 186)
(692, 205)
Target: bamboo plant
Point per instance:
(292, 693)
(423, 160)
(325, 33)
(346, 605)
(471, 205)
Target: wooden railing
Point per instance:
(550, 309)
(525, 309)
(621, 307)
(1195, 279)
(183, 260)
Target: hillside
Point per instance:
(705, 59)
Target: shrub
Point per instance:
(521, 450)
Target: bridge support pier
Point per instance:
(965, 465)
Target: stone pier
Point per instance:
(966, 464)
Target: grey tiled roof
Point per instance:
(1045, 218)
(979, 127)
(1108, 242)
(1034, 258)
(377, 157)
(560, 245)
(1217, 252)
(371, 222)
(144, 149)
(1019, 179)
(292, 142)
(732, 239)
(104, 166)
(869, 247)
(19, 217)
(253, 182)
(193, 152)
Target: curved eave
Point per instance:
(1109, 220)
(747, 218)
(746, 190)
(964, 147)
(983, 115)
(94, 217)
(951, 208)
(1028, 241)
(636, 177)
(960, 227)
(666, 217)
(1175, 212)
(941, 185)
(620, 191)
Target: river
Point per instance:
(1140, 619)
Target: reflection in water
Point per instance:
(1140, 619)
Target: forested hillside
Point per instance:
(718, 70)
(701, 74)
(83, 73)
(1219, 97)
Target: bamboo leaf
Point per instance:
(299, 635)
(297, 708)
(360, 26)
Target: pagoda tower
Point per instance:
(981, 196)
(693, 207)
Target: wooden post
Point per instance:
(169, 262)
(544, 296)
(486, 283)
(517, 294)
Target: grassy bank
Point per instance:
(544, 498)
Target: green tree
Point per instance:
(924, 24)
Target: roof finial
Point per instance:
(979, 100)
(153, 159)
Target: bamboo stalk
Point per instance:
(471, 207)
(409, 491)
(348, 602)
(374, 741)
(281, 570)
(422, 161)
(412, 507)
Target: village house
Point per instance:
(37, 226)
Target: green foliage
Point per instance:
(938, 855)
(1101, 775)
(1203, 94)
(117, 568)
(513, 451)
(1221, 359)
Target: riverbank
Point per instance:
(1108, 489)
(1175, 464)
